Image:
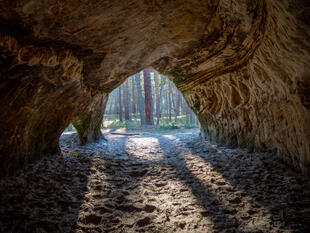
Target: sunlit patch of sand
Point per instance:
(170, 136)
(146, 148)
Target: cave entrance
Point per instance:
(148, 100)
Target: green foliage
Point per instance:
(82, 125)
(112, 117)
(190, 126)
(70, 128)
(76, 155)
(116, 124)
(171, 125)
(164, 123)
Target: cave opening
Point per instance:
(135, 172)
(241, 66)
(148, 98)
(145, 101)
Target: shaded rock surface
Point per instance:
(185, 184)
(88, 125)
(243, 67)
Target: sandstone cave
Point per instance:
(243, 68)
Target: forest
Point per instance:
(147, 99)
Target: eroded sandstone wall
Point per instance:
(264, 104)
(243, 66)
(41, 91)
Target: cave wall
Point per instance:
(243, 67)
(88, 124)
(40, 93)
(263, 105)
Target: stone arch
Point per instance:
(60, 60)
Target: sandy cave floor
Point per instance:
(152, 182)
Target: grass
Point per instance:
(111, 121)
(170, 125)
(116, 124)
(190, 126)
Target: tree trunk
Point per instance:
(169, 100)
(158, 107)
(177, 105)
(134, 101)
(187, 112)
(70, 128)
(148, 98)
(126, 101)
(156, 93)
(140, 99)
(119, 91)
(192, 119)
(115, 102)
(173, 105)
(167, 105)
(196, 120)
(182, 106)
(161, 102)
(110, 109)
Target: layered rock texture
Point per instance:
(243, 67)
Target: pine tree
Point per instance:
(148, 98)
(158, 107)
(140, 99)
(119, 91)
(126, 100)
(134, 102)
